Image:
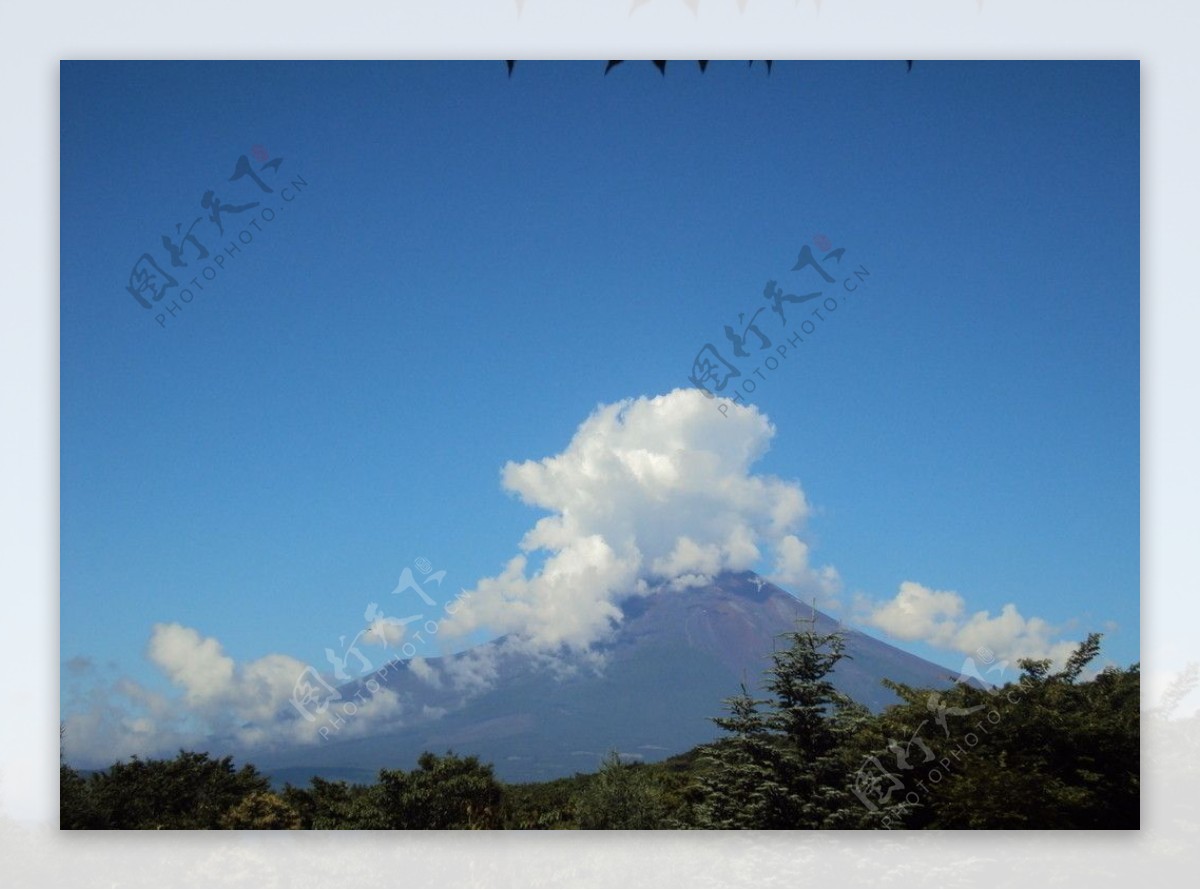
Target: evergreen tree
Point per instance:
(814, 720)
(786, 765)
(741, 788)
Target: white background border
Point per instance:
(36, 37)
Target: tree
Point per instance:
(189, 791)
(786, 764)
(742, 788)
(74, 802)
(621, 796)
(442, 792)
(815, 720)
(261, 810)
(1047, 751)
(336, 805)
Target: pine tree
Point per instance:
(741, 787)
(814, 720)
(785, 764)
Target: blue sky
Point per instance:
(474, 263)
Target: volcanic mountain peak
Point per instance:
(650, 690)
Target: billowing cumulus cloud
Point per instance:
(649, 492)
(198, 665)
(651, 496)
(939, 617)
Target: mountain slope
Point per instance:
(672, 660)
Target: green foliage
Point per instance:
(1045, 751)
(542, 805)
(621, 796)
(74, 804)
(335, 805)
(1053, 752)
(261, 810)
(785, 764)
(1050, 750)
(741, 787)
(443, 792)
(189, 791)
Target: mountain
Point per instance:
(672, 660)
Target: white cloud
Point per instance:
(793, 572)
(473, 671)
(425, 672)
(249, 704)
(197, 665)
(384, 632)
(650, 494)
(114, 721)
(649, 490)
(382, 629)
(939, 617)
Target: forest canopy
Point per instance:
(1049, 750)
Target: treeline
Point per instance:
(1047, 750)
